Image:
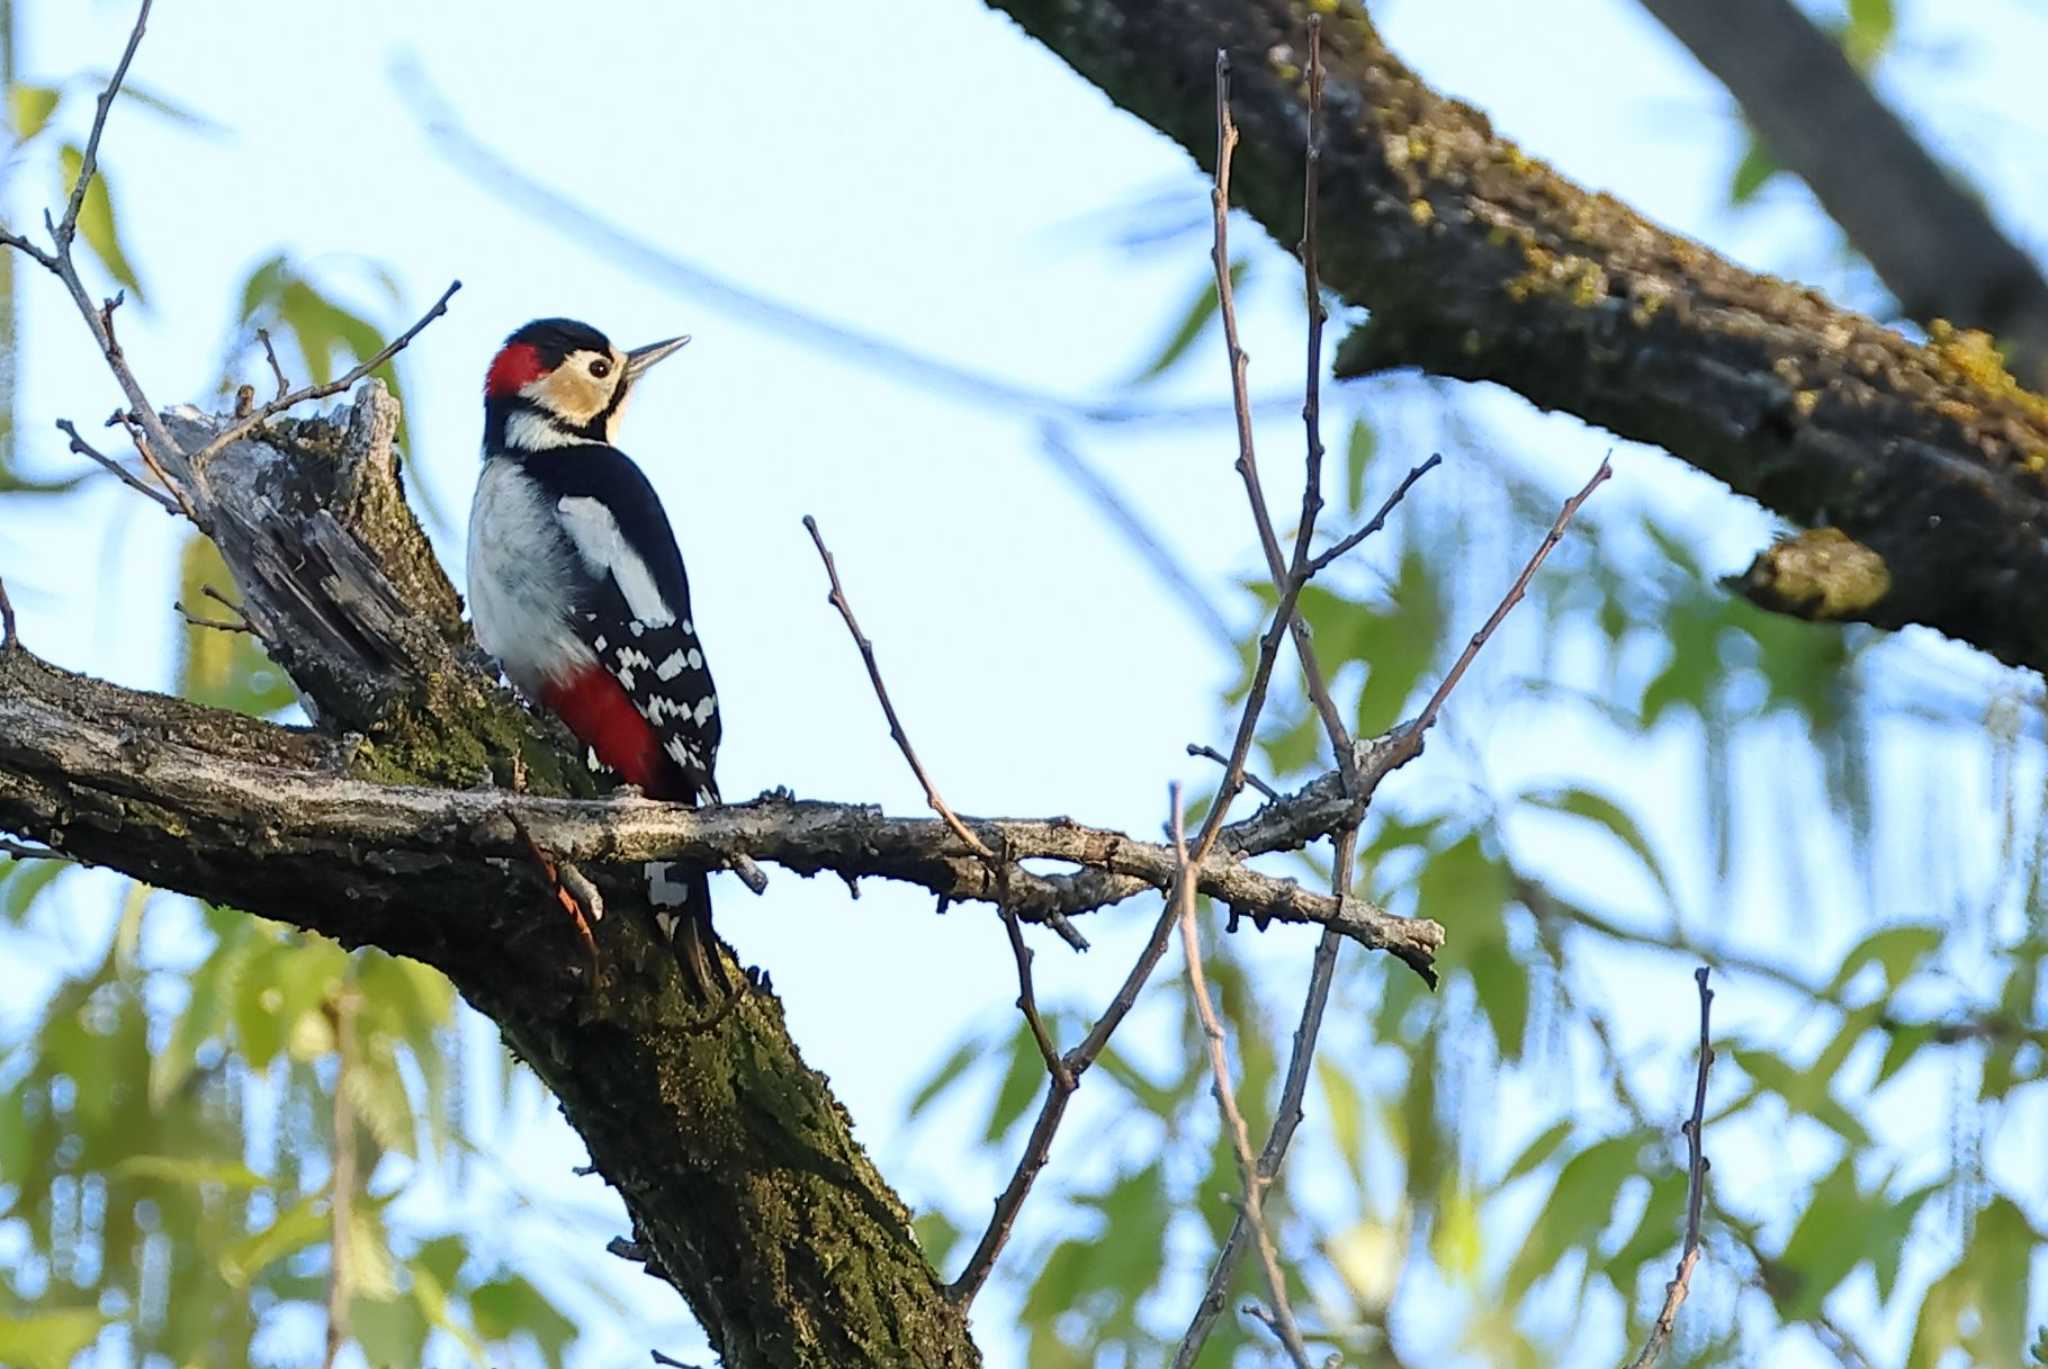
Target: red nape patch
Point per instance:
(603, 718)
(515, 368)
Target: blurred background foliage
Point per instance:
(207, 1138)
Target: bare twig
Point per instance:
(1696, 1192)
(270, 353)
(88, 163)
(215, 623)
(20, 852)
(1063, 1072)
(266, 412)
(837, 598)
(1254, 1181)
(1027, 1003)
(107, 308)
(9, 639)
(1210, 753)
(83, 448)
(1379, 519)
(1357, 788)
(1286, 622)
(1424, 719)
(133, 426)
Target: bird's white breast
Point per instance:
(522, 579)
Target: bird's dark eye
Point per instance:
(600, 368)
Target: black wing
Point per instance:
(636, 614)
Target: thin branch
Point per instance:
(1027, 1002)
(88, 163)
(10, 640)
(1378, 520)
(266, 412)
(83, 448)
(284, 387)
(1286, 622)
(1210, 753)
(1249, 1174)
(1427, 717)
(216, 624)
(129, 424)
(1696, 1192)
(837, 598)
(1357, 788)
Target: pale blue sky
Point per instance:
(922, 172)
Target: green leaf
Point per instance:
(1464, 888)
(96, 218)
(297, 1227)
(179, 1169)
(1536, 1153)
(1359, 451)
(27, 878)
(507, 1307)
(1604, 812)
(1502, 983)
(391, 1331)
(206, 1012)
(1580, 1206)
(216, 667)
(1346, 1108)
(1456, 1240)
(1753, 172)
(1905, 1042)
(1900, 950)
(1980, 1306)
(1659, 1229)
(1194, 321)
(936, 1236)
(47, 1340)
(1871, 24)
(946, 1075)
(1019, 1086)
(31, 108)
(1823, 1246)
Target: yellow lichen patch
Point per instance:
(1648, 296)
(1577, 279)
(1823, 574)
(1966, 356)
(1421, 211)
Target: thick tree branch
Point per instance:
(1481, 263)
(1930, 240)
(232, 809)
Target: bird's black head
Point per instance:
(560, 383)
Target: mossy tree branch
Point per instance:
(1479, 262)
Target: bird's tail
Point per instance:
(681, 895)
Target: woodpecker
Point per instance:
(576, 586)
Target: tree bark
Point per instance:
(747, 1189)
(1481, 263)
(1931, 241)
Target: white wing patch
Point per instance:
(604, 550)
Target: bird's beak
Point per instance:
(641, 359)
